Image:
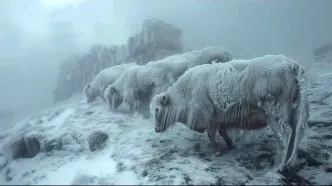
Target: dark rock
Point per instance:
(328, 169)
(19, 149)
(53, 145)
(311, 162)
(33, 146)
(145, 173)
(27, 147)
(120, 167)
(328, 136)
(97, 140)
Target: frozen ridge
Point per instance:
(135, 154)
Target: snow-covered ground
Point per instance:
(135, 154)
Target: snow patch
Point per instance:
(58, 121)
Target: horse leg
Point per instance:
(223, 133)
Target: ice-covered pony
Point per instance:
(104, 78)
(242, 94)
(137, 86)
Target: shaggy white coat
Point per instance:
(104, 78)
(139, 85)
(272, 82)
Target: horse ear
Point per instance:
(164, 100)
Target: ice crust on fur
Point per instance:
(268, 81)
(157, 76)
(104, 78)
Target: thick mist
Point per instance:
(37, 35)
(249, 28)
(34, 39)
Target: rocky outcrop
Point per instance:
(156, 41)
(322, 51)
(26, 147)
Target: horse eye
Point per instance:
(157, 110)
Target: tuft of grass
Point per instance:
(97, 140)
(83, 178)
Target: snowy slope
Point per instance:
(318, 167)
(135, 154)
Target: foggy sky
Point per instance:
(34, 38)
